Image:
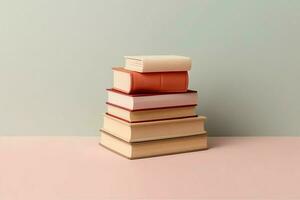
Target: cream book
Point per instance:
(154, 148)
(153, 130)
(158, 63)
(151, 114)
(154, 100)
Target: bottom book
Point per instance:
(134, 150)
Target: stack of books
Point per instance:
(151, 111)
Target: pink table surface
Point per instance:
(72, 168)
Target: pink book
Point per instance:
(148, 101)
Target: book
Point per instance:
(158, 63)
(150, 114)
(154, 148)
(153, 130)
(148, 100)
(135, 82)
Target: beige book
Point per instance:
(153, 130)
(158, 63)
(154, 148)
(151, 114)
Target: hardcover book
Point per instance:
(151, 114)
(155, 100)
(154, 148)
(159, 63)
(153, 130)
(135, 82)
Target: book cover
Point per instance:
(151, 100)
(153, 130)
(151, 114)
(134, 82)
(158, 63)
(146, 149)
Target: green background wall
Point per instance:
(56, 58)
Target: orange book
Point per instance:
(135, 82)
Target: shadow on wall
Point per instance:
(229, 112)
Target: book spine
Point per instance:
(159, 82)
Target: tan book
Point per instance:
(158, 63)
(154, 148)
(151, 114)
(153, 130)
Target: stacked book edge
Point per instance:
(151, 111)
